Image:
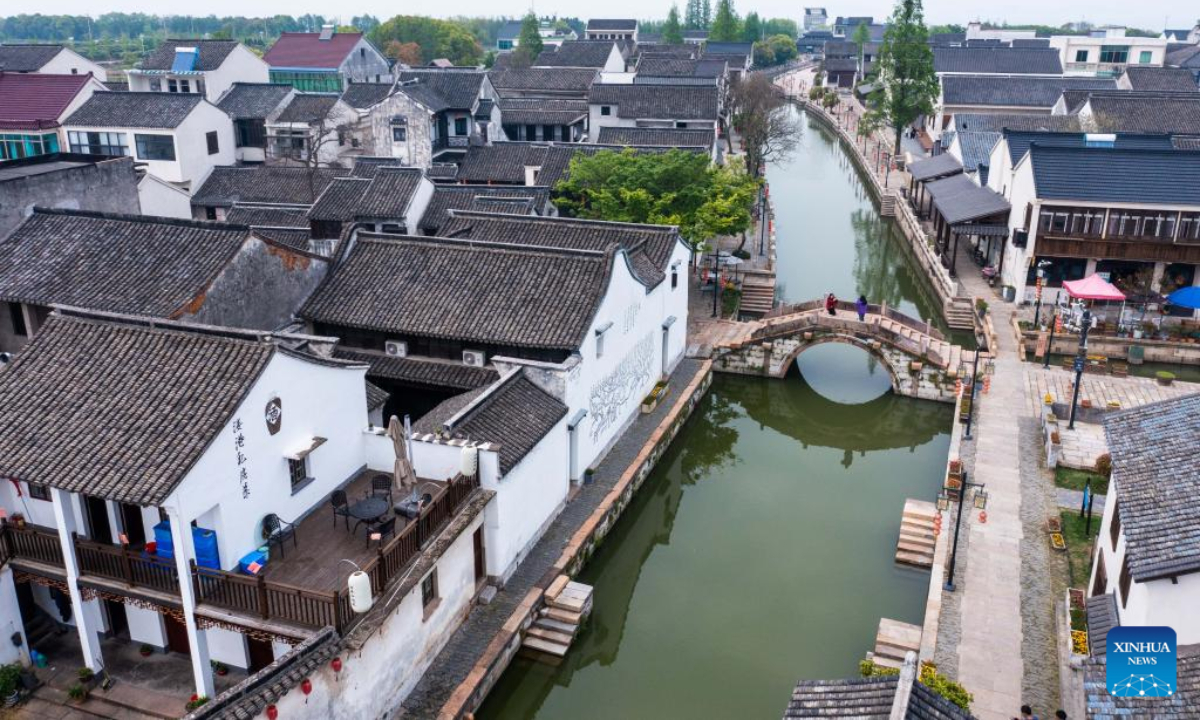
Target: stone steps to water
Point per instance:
(894, 640)
(567, 605)
(917, 537)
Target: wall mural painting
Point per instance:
(629, 321)
(610, 395)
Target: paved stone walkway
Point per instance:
(1039, 632)
(1072, 499)
(468, 643)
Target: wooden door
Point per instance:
(118, 621)
(96, 509)
(133, 524)
(261, 653)
(480, 558)
(177, 637)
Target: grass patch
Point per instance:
(1073, 479)
(1079, 545)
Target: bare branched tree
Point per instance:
(768, 129)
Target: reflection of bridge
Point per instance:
(920, 361)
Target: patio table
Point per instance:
(368, 510)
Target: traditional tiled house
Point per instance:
(251, 106)
(897, 697)
(611, 29)
(327, 61)
(264, 185)
(509, 200)
(1148, 553)
(1030, 95)
(82, 182)
(49, 59)
(217, 274)
(314, 129)
(542, 103)
(604, 55)
(1157, 79)
(525, 163)
(650, 137)
(1145, 112)
(32, 108)
(430, 116)
(207, 67)
(738, 55)
(661, 106)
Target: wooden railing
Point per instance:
(250, 595)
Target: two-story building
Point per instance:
(65, 180)
(658, 106)
(611, 29)
(315, 129)
(430, 116)
(327, 61)
(178, 138)
(49, 59)
(1147, 562)
(1106, 52)
(540, 103)
(207, 67)
(607, 56)
(261, 185)
(1003, 94)
(33, 107)
(251, 106)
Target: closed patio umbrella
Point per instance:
(402, 470)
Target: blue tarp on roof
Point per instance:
(185, 60)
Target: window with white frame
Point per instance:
(98, 143)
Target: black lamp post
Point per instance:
(1050, 345)
(716, 280)
(980, 499)
(974, 385)
(1041, 274)
(1080, 360)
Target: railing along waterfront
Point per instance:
(246, 594)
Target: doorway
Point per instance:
(480, 557)
(118, 621)
(666, 343)
(177, 637)
(96, 510)
(261, 653)
(133, 525)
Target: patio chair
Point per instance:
(381, 486)
(341, 506)
(276, 531)
(385, 528)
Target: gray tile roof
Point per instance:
(960, 200)
(244, 101)
(867, 699)
(728, 48)
(997, 60)
(573, 80)
(936, 166)
(376, 396)
(657, 137)
(429, 372)
(577, 53)
(1150, 177)
(227, 185)
(1186, 57)
(390, 193)
(118, 263)
(1102, 616)
(506, 162)
(1001, 91)
(364, 95)
(439, 90)
(655, 66)
(1157, 476)
(212, 54)
(601, 24)
(514, 413)
(659, 102)
(1184, 703)
(26, 58)
(1019, 141)
(1030, 42)
(995, 122)
(296, 238)
(542, 111)
(339, 202)
(649, 246)
(1175, 113)
(120, 411)
(134, 110)
(659, 50)
(367, 165)
(463, 197)
(976, 148)
(1161, 78)
(469, 291)
(268, 215)
(307, 108)
(442, 171)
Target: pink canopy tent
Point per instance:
(1093, 287)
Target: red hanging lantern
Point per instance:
(306, 686)
(272, 712)
(336, 664)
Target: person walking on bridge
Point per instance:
(861, 306)
(831, 304)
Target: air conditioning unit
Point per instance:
(474, 358)
(396, 348)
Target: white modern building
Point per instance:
(47, 59)
(1106, 52)
(207, 67)
(1148, 551)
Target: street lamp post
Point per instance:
(1050, 345)
(716, 281)
(1080, 359)
(1041, 274)
(974, 385)
(943, 502)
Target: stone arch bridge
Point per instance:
(919, 359)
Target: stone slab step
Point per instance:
(918, 548)
(920, 508)
(924, 539)
(885, 661)
(549, 635)
(557, 586)
(569, 602)
(568, 617)
(546, 623)
(922, 560)
(894, 632)
(545, 646)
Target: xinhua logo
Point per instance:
(1141, 662)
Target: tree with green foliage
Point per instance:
(780, 26)
(529, 41)
(671, 188)
(783, 47)
(436, 38)
(672, 33)
(752, 28)
(706, 17)
(725, 26)
(906, 83)
(691, 15)
(862, 36)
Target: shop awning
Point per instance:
(1093, 287)
(935, 167)
(960, 200)
(980, 230)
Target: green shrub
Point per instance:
(1104, 465)
(10, 676)
(77, 692)
(945, 687)
(869, 669)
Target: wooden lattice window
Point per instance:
(1101, 583)
(1125, 581)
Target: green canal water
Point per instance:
(760, 550)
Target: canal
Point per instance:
(760, 550)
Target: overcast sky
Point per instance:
(1147, 14)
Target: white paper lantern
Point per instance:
(470, 461)
(360, 592)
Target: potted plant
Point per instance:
(1054, 524)
(77, 692)
(19, 520)
(1085, 403)
(1057, 541)
(1079, 642)
(86, 674)
(219, 667)
(956, 468)
(10, 683)
(196, 701)
(146, 649)
(1054, 438)
(589, 476)
(981, 306)
(1164, 378)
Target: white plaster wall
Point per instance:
(38, 512)
(191, 147)
(1016, 260)
(418, 204)
(317, 401)
(159, 197)
(10, 621)
(240, 65)
(597, 121)
(145, 626)
(228, 647)
(69, 62)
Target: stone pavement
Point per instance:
(1072, 499)
(473, 637)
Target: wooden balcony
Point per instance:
(314, 596)
(1119, 249)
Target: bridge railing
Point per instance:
(872, 309)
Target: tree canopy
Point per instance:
(672, 32)
(529, 41)
(752, 28)
(906, 83)
(725, 26)
(775, 50)
(671, 188)
(435, 38)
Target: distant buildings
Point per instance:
(47, 59)
(1106, 52)
(33, 107)
(611, 29)
(327, 61)
(815, 18)
(207, 67)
